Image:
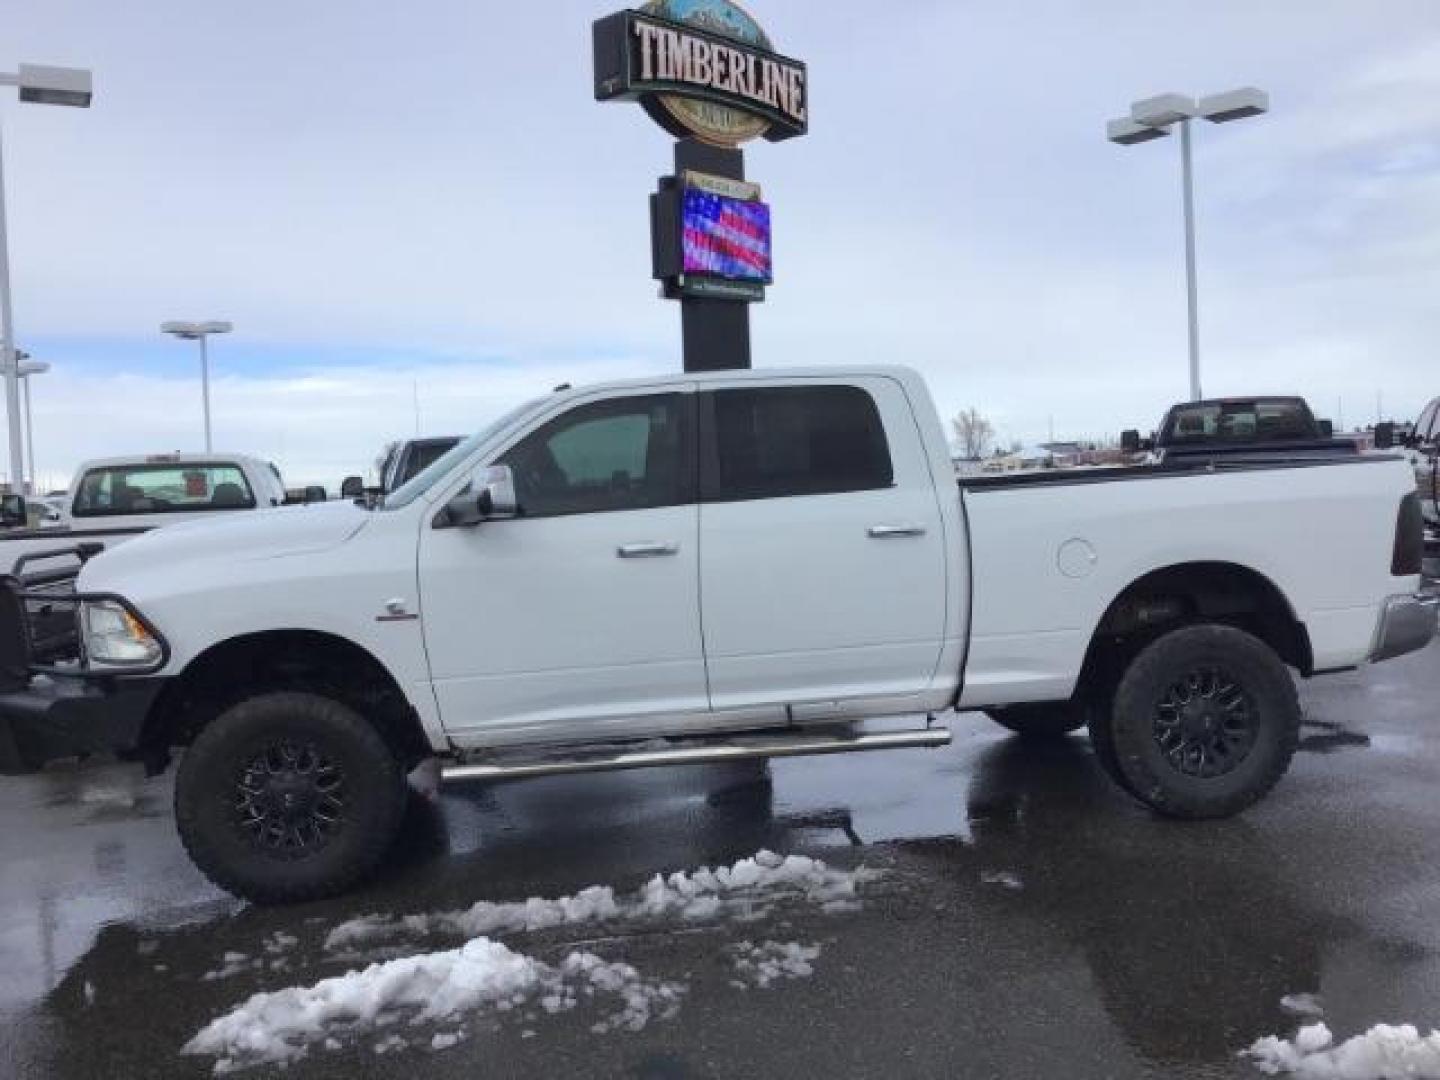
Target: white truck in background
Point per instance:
(740, 564)
(112, 500)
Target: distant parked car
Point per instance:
(1421, 444)
(115, 499)
(50, 509)
(1424, 445)
(405, 460)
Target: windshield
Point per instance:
(413, 488)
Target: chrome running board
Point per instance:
(731, 749)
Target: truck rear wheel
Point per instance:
(1204, 723)
(288, 796)
(1050, 720)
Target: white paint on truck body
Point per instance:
(764, 610)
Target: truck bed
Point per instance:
(1070, 541)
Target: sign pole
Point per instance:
(715, 334)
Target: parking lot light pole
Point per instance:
(27, 368)
(37, 86)
(199, 331)
(1152, 118)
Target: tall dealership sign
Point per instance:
(706, 72)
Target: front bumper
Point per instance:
(58, 717)
(1407, 623)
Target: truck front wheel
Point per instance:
(1204, 722)
(288, 796)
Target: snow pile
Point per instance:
(443, 1040)
(279, 1027)
(1303, 1004)
(769, 961)
(640, 998)
(742, 889)
(1382, 1053)
(484, 918)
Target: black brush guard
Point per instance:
(39, 620)
(54, 703)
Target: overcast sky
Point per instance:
(402, 202)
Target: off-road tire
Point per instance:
(1103, 745)
(215, 813)
(1050, 720)
(1261, 704)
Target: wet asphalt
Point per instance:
(1030, 920)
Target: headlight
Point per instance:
(114, 636)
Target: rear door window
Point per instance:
(781, 441)
(113, 490)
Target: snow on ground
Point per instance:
(439, 988)
(1382, 1053)
(279, 942)
(282, 1026)
(232, 964)
(1006, 878)
(770, 961)
(745, 889)
(238, 963)
(1303, 1005)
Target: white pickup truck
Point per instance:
(704, 568)
(112, 500)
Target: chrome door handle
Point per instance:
(884, 532)
(646, 551)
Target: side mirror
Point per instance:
(1384, 435)
(1327, 429)
(488, 497)
(13, 513)
(352, 487)
(315, 493)
(1130, 441)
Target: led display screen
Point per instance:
(725, 237)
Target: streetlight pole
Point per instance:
(200, 331)
(37, 85)
(29, 437)
(205, 387)
(1187, 171)
(8, 358)
(27, 369)
(1152, 118)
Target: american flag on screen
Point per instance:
(726, 237)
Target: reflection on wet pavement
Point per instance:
(1031, 920)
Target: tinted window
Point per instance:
(160, 489)
(797, 440)
(422, 456)
(622, 454)
(1241, 421)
